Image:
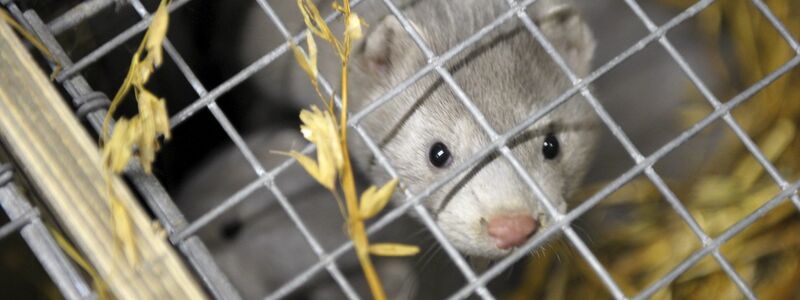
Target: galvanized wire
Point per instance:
(25, 220)
(153, 193)
(222, 119)
(183, 236)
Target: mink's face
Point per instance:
(426, 131)
(489, 210)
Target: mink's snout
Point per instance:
(511, 230)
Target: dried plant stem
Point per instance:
(330, 136)
(355, 223)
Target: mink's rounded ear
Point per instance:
(377, 51)
(568, 32)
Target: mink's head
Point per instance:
(426, 130)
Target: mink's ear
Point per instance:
(566, 30)
(379, 49)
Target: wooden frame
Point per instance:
(63, 164)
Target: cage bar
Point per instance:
(182, 235)
(64, 168)
(25, 220)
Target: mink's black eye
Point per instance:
(439, 155)
(550, 146)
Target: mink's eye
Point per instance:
(550, 146)
(439, 155)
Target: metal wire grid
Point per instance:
(183, 236)
(25, 219)
(92, 105)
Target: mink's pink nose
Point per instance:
(511, 230)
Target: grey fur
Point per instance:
(258, 246)
(507, 74)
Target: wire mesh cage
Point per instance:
(259, 235)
